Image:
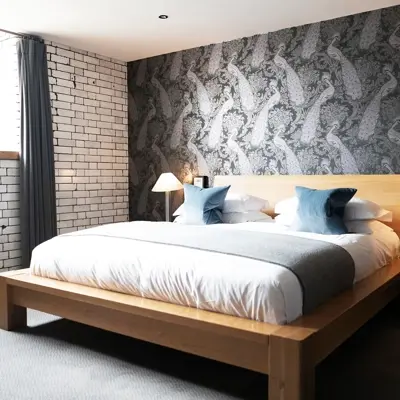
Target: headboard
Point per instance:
(381, 189)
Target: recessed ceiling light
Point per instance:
(163, 16)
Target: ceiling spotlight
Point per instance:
(163, 16)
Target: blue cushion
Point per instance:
(322, 211)
(204, 206)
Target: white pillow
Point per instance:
(249, 216)
(239, 202)
(367, 227)
(179, 211)
(359, 226)
(236, 203)
(234, 218)
(361, 209)
(181, 219)
(286, 206)
(356, 209)
(285, 219)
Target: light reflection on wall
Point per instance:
(9, 94)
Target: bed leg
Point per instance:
(11, 316)
(291, 377)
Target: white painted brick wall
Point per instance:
(10, 249)
(90, 123)
(90, 120)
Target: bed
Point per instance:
(137, 258)
(288, 354)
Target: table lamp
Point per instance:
(167, 182)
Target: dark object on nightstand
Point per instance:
(201, 181)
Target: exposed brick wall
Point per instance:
(10, 244)
(89, 107)
(90, 122)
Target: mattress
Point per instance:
(211, 281)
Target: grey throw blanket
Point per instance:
(323, 269)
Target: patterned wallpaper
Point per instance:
(316, 99)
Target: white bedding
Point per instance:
(218, 282)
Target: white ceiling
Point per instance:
(130, 29)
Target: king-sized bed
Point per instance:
(222, 291)
(236, 269)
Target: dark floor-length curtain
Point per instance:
(37, 197)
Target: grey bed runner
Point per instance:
(323, 269)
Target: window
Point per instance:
(9, 94)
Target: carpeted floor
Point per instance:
(61, 360)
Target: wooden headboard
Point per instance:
(381, 189)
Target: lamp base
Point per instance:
(167, 207)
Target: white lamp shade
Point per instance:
(167, 182)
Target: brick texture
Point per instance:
(86, 94)
(10, 249)
(90, 123)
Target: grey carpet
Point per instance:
(61, 360)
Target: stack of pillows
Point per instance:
(327, 212)
(218, 205)
(330, 212)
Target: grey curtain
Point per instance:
(37, 197)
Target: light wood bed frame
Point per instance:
(288, 354)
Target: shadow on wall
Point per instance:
(316, 99)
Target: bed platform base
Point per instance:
(288, 354)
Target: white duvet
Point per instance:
(217, 282)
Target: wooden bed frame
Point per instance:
(288, 354)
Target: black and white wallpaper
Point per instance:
(316, 99)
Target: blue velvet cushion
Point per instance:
(204, 206)
(322, 211)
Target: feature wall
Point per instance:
(316, 99)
